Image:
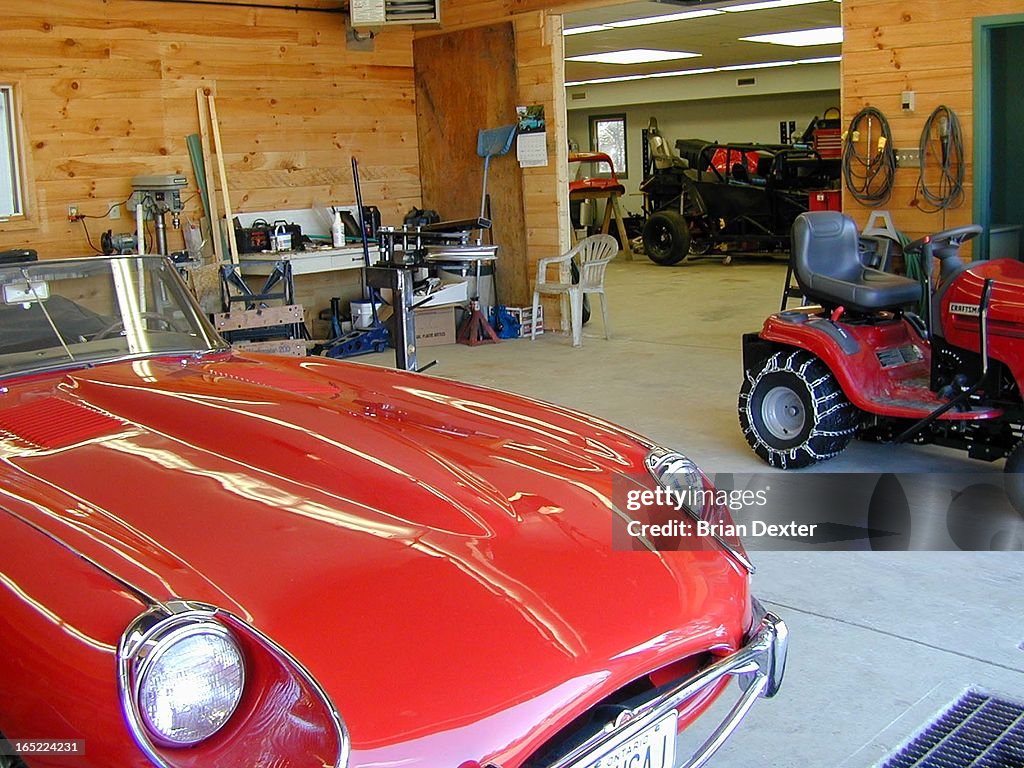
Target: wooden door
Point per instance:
(465, 82)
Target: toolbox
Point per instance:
(263, 236)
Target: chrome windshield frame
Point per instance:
(127, 285)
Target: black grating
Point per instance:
(979, 730)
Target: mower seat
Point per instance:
(828, 267)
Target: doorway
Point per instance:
(998, 149)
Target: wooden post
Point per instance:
(211, 190)
(222, 171)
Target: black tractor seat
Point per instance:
(829, 269)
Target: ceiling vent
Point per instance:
(746, 81)
(378, 13)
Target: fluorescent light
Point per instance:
(633, 56)
(760, 65)
(645, 20)
(652, 76)
(584, 30)
(766, 4)
(801, 37)
(821, 60)
(641, 22)
(706, 71)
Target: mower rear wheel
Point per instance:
(793, 411)
(666, 238)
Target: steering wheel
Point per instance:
(948, 237)
(118, 325)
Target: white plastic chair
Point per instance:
(594, 254)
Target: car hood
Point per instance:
(438, 556)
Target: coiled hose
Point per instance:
(869, 174)
(942, 156)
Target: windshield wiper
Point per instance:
(46, 314)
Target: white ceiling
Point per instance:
(715, 38)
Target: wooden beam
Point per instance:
(215, 125)
(211, 190)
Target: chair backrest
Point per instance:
(593, 254)
(825, 245)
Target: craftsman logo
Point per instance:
(964, 309)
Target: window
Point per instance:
(608, 135)
(12, 201)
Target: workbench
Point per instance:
(320, 260)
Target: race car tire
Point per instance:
(666, 238)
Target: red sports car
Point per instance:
(223, 559)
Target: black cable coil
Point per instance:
(869, 175)
(942, 140)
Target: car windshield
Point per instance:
(61, 313)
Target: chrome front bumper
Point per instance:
(758, 666)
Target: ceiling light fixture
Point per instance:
(641, 22)
(584, 30)
(633, 56)
(706, 71)
(801, 37)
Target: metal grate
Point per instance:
(979, 730)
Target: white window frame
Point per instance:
(11, 167)
(595, 142)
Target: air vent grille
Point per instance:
(366, 13)
(53, 423)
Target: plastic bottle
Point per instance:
(338, 231)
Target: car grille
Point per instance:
(979, 730)
(627, 698)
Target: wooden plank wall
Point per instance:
(890, 47)
(109, 92)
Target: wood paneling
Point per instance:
(891, 46)
(466, 81)
(109, 93)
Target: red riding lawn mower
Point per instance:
(862, 363)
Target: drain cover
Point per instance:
(980, 730)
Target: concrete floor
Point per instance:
(880, 641)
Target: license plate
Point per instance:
(653, 747)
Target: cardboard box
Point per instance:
(525, 317)
(435, 327)
(447, 293)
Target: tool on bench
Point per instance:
(372, 339)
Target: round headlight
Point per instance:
(679, 474)
(189, 683)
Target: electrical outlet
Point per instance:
(115, 210)
(908, 158)
(73, 212)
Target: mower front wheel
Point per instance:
(793, 411)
